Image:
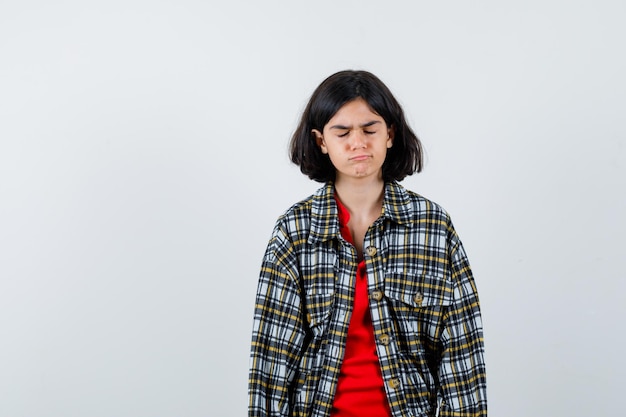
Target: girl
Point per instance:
(366, 305)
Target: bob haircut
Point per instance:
(404, 158)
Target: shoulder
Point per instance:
(296, 214)
(295, 222)
(431, 216)
(408, 206)
(425, 204)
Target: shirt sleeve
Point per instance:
(462, 371)
(277, 334)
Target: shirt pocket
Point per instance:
(418, 304)
(318, 310)
(419, 291)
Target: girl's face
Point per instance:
(356, 139)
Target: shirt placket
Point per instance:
(386, 344)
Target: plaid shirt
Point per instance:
(423, 303)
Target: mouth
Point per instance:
(359, 158)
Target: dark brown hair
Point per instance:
(404, 158)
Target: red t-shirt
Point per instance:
(360, 389)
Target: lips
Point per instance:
(360, 158)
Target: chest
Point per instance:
(388, 249)
(359, 227)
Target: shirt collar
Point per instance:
(397, 207)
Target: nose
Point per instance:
(358, 140)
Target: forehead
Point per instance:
(355, 111)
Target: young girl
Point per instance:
(366, 305)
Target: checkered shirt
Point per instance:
(423, 303)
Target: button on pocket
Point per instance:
(419, 291)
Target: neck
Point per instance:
(362, 196)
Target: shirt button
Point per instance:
(371, 250)
(394, 383)
(377, 295)
(384, 339)
(419, 298)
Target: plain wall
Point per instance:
(143, 162)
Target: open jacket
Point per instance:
(423, 303)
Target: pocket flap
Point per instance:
(418, 291)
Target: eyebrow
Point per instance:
(342, 127)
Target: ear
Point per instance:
(391, 133)
(319, 139)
